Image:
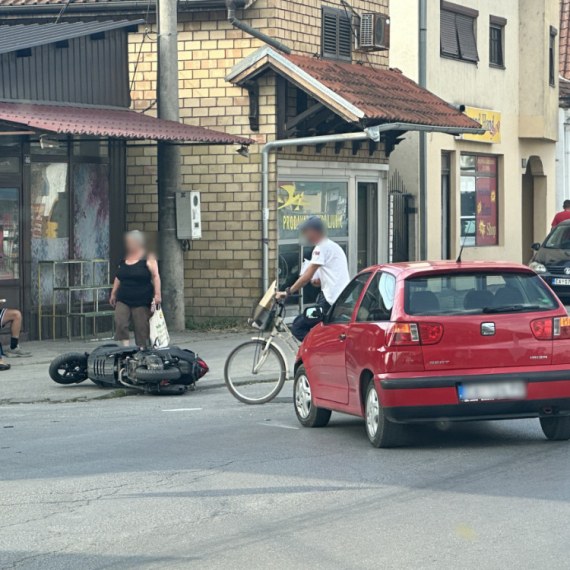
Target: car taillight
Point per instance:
(409, 334)
(561, 328)
(430, 333)
(542, 329)
(403, 334)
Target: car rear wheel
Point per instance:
(381, 431)
(307, 413)
(556, 428)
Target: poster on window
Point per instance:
(298, 200)
(486, 221)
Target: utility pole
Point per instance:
(169, 176)
(422, 76)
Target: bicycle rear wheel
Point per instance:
(254, 373)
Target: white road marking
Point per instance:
(183, 410)
(277, 425)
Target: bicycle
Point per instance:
(256, 371)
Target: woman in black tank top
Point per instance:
(136, 286)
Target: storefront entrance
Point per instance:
(350, 206)
(55, 205)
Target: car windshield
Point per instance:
(559, 238)
(477, 293)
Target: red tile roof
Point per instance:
(565, 38)
(384, 95)
(109, 123)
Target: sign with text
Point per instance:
(489, 120)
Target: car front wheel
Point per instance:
(556, 428)
(307, 413)
(381, 431)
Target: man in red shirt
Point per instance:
(562, 216)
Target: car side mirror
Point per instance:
(535, 246)
(313, 313)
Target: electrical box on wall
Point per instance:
(188, 215)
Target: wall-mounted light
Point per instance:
(243, 151)
(47, 142)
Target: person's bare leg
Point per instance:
(14, 317)
(125, 342)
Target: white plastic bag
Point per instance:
(159, 337)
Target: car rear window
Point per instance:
(476, 293)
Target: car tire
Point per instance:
(556, 428)
(380, 430)
(307, 413)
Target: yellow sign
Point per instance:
(489, 120)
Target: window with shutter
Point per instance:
(457, 36)
(336, 34)
(449, 45)
(496, 57)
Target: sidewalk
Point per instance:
(28, 380)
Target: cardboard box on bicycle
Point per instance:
(261, 312)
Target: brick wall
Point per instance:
(223, 270)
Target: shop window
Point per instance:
(296, 201)
(9, 164)
(497, 42)
(479, 213)
(457, 32)
(91, 219)
(552, 57)
(9, 233)
(336, 34)
(50, 223)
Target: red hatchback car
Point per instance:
(423, 342)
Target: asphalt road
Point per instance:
(202, 481)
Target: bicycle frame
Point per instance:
(279, 332)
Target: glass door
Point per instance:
(367, 224)
(10, 262)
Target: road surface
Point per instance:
(202, 481)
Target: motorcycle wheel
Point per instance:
(154, 376)
(69, 368)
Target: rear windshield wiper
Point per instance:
(512, 309)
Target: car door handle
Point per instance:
(342, 336)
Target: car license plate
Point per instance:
(491, 392)
(561, 281)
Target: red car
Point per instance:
(424, 342)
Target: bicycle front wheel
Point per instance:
(254, 372)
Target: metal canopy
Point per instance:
(24, 36)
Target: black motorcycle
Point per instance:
(169, 370)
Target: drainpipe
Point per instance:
(231, 5)
(422, 80)
(265, 184)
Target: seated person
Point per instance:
(14, 317)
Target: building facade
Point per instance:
(494, 193)
(334, 81)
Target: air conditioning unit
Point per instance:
(188, 215)
(374, 32)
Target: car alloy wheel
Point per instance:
(372, 412)
(303, 399)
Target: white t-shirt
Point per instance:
(331, 259)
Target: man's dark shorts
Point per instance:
(301, 325)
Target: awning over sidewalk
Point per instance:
(357, 93)
(22, 36)
(121, 123)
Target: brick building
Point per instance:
(229, 81)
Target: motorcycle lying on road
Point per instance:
(168, 371)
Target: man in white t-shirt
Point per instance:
(330, 261)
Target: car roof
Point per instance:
(405, 270)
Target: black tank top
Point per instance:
(136, 288)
